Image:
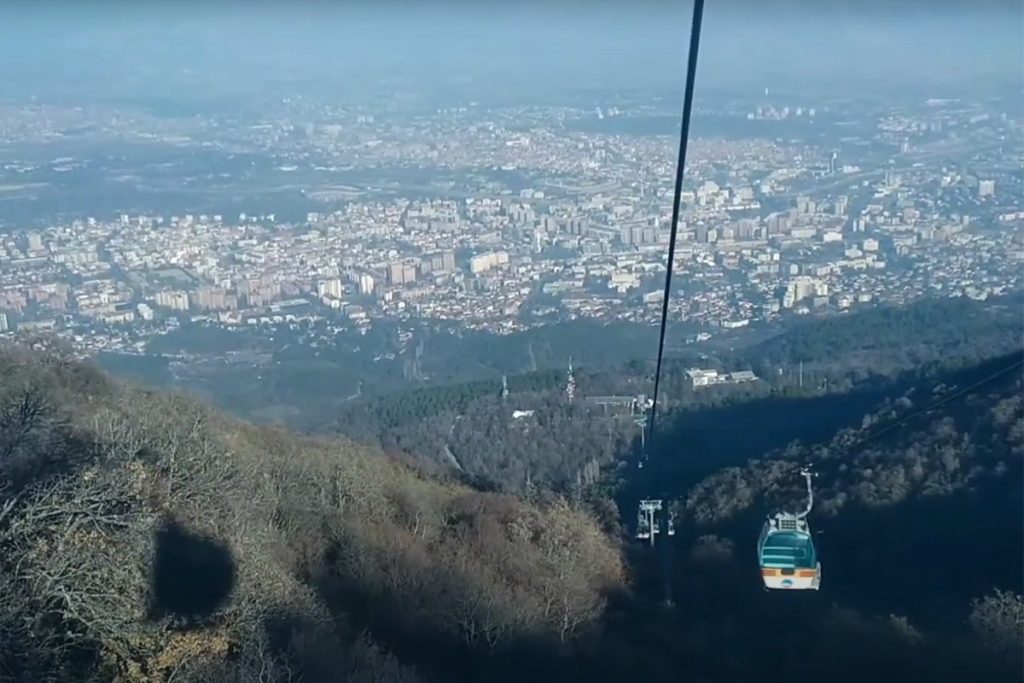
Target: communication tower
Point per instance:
(570, 383)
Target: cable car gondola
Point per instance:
(786, 551)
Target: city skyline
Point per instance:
(347, 164)
(523, 226)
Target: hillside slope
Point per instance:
(144, 536)
(848, 359)
(918, 515)
(147, 537)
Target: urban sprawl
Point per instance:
(917, 202)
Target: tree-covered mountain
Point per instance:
(306, 374)
(925, 336)
(146, 537)
(918, 518)
(456, 534)
(959, 432)
(854, 360)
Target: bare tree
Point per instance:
(76, 551)
(998, 619)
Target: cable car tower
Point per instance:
(786, 551)
(647, 524)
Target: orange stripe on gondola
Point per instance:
(800, 573)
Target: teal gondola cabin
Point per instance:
(786, 554)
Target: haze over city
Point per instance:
(410, 260)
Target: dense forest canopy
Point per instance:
(950, 449)
(937, 440)
(288, 379)
(147, 537)
(470, 425)
(457, 533)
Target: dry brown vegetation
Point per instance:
(144, 536)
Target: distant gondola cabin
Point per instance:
(786, 554)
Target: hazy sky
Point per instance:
(459, 47)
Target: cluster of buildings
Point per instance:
(706, 378)
(768, 229)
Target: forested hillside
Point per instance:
(918, 514)
(145, 537)
(468, 426)
(936, 439)
(291, 374)
(536, 438)
(293, 377)
(924, 336)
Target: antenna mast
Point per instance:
(570, 383)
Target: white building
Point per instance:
(702, 378)
(175, 300)
(366, 284)
(803, 287)
(329, 288)
(484, 262)
(705, 378)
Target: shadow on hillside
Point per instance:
(725, 627)
(929, 557)
(703, 441)
(696, 443)
(192, 576)
(925, 559)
